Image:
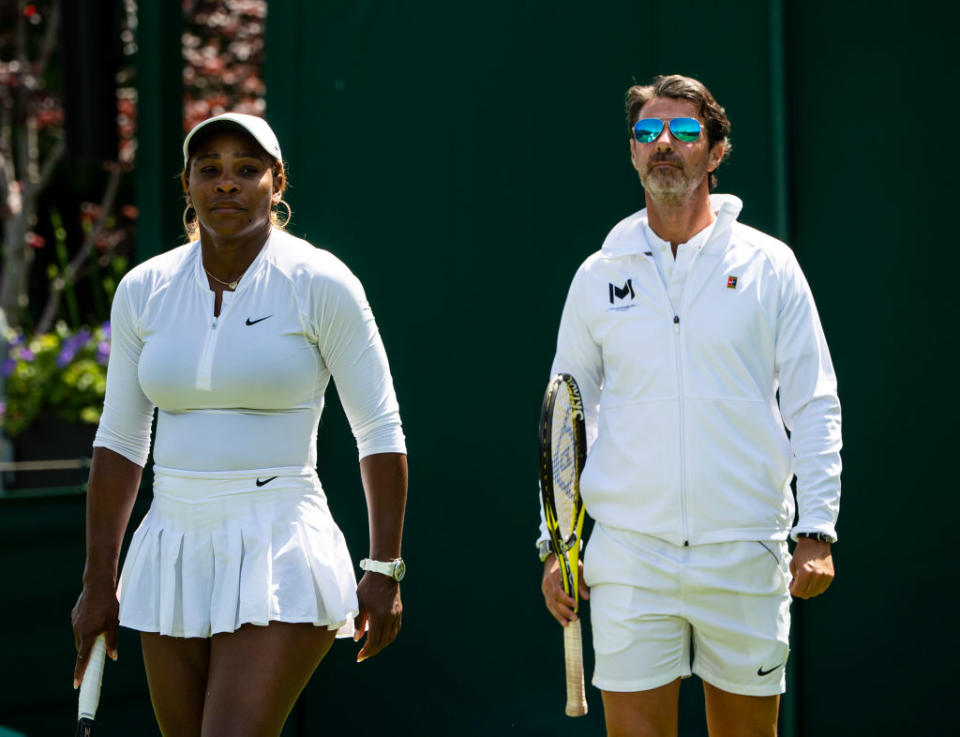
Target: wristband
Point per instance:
(544, 547)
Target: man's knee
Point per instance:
(652, 713)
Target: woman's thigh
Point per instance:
(177, 675)
(256, 675)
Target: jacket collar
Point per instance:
(627, 238)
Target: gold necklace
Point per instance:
(228, 284)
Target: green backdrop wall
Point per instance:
(463, 160)
(872, 229)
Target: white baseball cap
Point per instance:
(257, 127)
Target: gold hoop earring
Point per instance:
(276, 214)
(190, 227)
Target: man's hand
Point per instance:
(559, 603)
(811, 568)
(380, 610)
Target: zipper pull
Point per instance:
(676, 324)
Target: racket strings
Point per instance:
(564, 456)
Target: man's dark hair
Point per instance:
(678, 87)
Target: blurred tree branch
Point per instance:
(23, 175)
(73, 269)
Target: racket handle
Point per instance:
(573, 656)
(84, 728)
(92, 678)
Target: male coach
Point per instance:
(681, 331)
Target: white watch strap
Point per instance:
(378, 566)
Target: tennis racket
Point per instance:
(90, 687)
(563, 450)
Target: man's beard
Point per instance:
(672, 185)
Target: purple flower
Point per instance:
(8, 366)
(3, 408)
(17, 339)
(105, 328)
(75, 342)
(27, 355)
(103, 352)
(65, 357)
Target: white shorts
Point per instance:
(218, 550)
(651, 601)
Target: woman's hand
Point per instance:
(97, 610)
(380, 613)
(111, 492)
(385, 484)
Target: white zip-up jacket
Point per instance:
(687, 438)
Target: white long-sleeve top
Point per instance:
(680, 371)
(244, 390)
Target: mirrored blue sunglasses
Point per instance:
(683, 129)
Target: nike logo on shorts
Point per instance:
(267, 481)
(762, 672)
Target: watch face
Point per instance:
(399, 570)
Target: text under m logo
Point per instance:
(621, 292)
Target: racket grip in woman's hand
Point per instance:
(573, 656)
(92, 678)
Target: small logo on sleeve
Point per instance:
(731, 282)
(621, 293)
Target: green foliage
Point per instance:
(61, 373)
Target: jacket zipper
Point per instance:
(205, 369)
(206, 358)
(683, 460)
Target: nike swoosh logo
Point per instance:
(267, 481)
(254, 322)
(762, 672)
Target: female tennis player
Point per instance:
(238, 579)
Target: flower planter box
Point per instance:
(51, 438)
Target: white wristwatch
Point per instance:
(395, 569)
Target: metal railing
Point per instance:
(61, 464)
(64, 464)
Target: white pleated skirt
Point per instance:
(216, 551)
